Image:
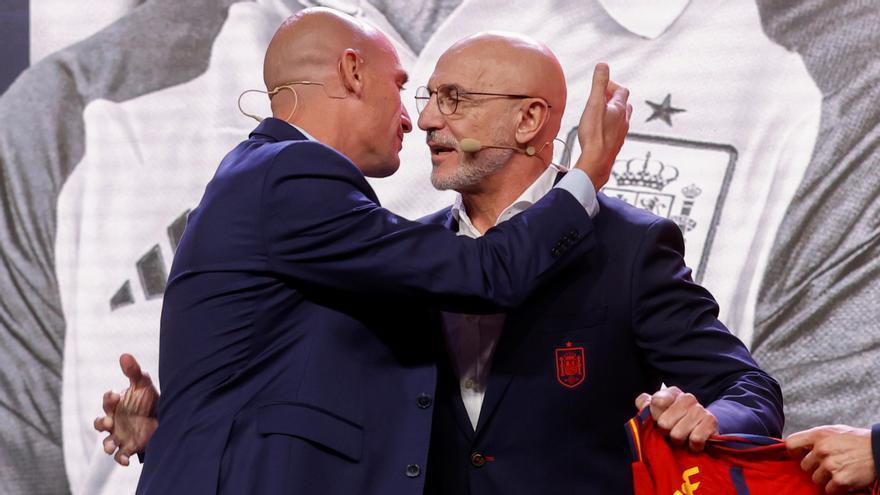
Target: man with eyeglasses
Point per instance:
(534, 400)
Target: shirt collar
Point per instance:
(530, 196)
(304, 133)
(280, 130)
(646, 18)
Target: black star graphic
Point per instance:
(663, 111)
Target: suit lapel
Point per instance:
(516, 328)
(450, 222)
(559, 177)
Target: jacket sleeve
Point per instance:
(322, 227)
(677, 326)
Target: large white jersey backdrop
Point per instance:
(724, 125)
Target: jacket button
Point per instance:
(478, 459)
(424, 401)
(413, 471)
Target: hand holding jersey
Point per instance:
(681, 416)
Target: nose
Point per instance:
(430, 117)
(405, 121)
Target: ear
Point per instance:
(351, 71)
(532, 117)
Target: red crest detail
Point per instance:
(570, 366)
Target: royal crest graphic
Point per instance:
(684, 181)
(570, 365)
(641, 183)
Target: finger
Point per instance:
(601, 79)
(619, 98)
(121, 458)
(629, 111)
(801, 439)
(127, 449)
(677, 411)
(610, 89)
(662, 400)
(810, 462)
(109, 445)
(821, 476)
(833, 488)
(109, 402)
(131, 369)
(642, 400)
(595, 109)
(683, 428)
(104, 423)
(705, 429)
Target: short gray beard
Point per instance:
(473, 167)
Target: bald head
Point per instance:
(358, 112)
(513, 63)
(308, 45)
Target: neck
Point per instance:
(485, 202)
(316, 119)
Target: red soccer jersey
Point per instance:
(729, 465)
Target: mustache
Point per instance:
(437, 138)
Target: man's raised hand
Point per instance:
(603, 126)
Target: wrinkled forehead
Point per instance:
(472, 70)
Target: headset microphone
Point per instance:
(471, 145)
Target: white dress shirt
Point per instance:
(471, 339)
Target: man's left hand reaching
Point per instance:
(681, 415)
(130, 418)
(840, 457)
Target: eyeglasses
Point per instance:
(448, 97)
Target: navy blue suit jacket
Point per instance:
(628, 312)
(296, 348)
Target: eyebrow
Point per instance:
(403, 77)
(454, 86)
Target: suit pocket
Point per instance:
(313, 424)
(558, 322)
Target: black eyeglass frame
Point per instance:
(422, 100)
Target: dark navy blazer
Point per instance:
(629, 314)
(296, 348)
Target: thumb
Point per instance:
(131, 369)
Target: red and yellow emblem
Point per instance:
(570, 365)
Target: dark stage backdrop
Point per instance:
(755, 128)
